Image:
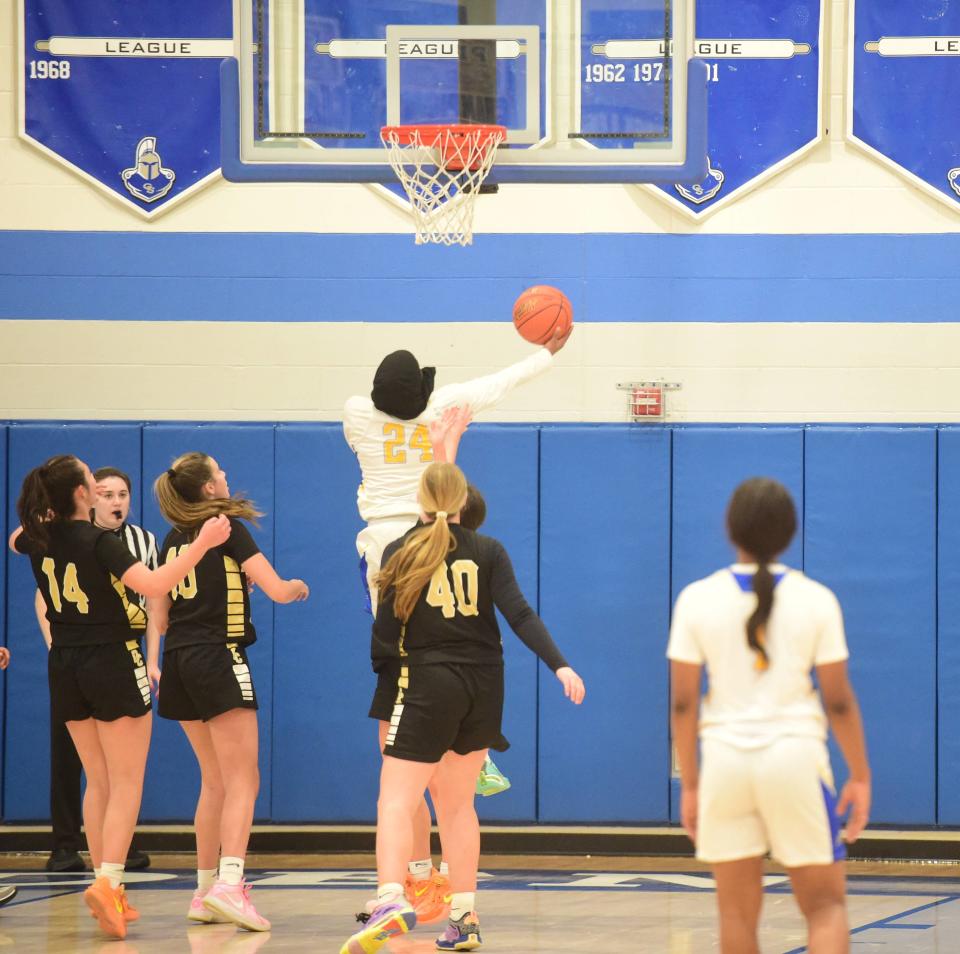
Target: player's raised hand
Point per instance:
(214, 531)
(446, 431)
(559, 339)
(573, 687)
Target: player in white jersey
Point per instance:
(765, 783)
(388, 432)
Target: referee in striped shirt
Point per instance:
(110, 513)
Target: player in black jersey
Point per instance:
(206, 683)
(98, 679)
(440, 588)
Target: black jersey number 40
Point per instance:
(186, 589)
(462, 596)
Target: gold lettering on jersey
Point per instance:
(236, 618)
(462, 596)
(466, 585)
(139, 670)
(395, 443)
(186, 589)
(70, 590)
(135, 614)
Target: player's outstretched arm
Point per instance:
(446, 431)
(149, 582)
(259, 570)
(481, 393)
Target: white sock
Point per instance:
(389, 891)
(96, 873)
(114, 872)
(462, 903)
(421, 869)
(205, 878)
(444, 869)
(231, 869)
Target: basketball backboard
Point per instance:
(588, 90)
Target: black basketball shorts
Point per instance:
(104, 682)
(385, 695)
(439, 707)
(203, 681)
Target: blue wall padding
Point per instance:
(870, 534)
(604, 524)
(245, 452)
(253, 277)
(948, 630)
(27, 756)
(503, 461)
(604, 594)
(708, 464)
(325, 758)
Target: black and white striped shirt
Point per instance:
(143, 545)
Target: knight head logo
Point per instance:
(953, 177)
(705, 190)
(147, 179)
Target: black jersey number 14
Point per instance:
(70, 589)
(462, 596)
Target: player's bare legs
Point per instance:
(454, 783)
(235, 739)
(402, 784)
(739, 898)
(87, 743)
(422, 822)
(820, 891)
(207, 819)
(124, 743)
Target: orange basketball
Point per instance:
(539, 311)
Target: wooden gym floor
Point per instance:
(528, 904)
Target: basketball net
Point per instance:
(441, 168)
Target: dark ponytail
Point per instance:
(761, 520)
(756, 624)
(47, 497)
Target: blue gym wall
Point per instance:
(605, 523)
(235, 277)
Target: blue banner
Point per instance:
(905, 79)
(127, 94)
(763, 105)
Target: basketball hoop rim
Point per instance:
(429, 133)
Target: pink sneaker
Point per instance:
(232, 902)
(198, 912)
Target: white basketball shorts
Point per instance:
(778, 799)
(372, 541)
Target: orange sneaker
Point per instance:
(130, 913)
(107, 905)
(429, 899)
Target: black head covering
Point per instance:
(401, 387)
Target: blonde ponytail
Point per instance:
(443, 492)
(179, 493)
